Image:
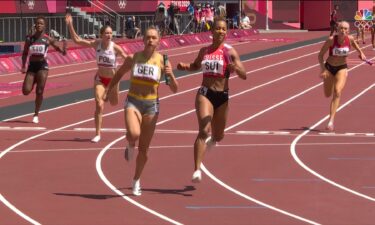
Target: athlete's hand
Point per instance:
(231, 67)
(167, 70)
(362, 56)
(23, 70)
(182, 66)
(68, 19)
(324, 74)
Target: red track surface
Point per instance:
(56, 176)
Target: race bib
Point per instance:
(37, 49)
(340, 51)
(213, 66)
(151, 72)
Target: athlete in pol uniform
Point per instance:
(106, 52)
(142, 104)
(217, 62)
(335, 70)
(36, 45)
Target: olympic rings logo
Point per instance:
(364, 24)
(363, 19)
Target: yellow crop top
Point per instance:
(146, 72)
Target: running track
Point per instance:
(270, 168)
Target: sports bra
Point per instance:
(214, 63)
(106, 57)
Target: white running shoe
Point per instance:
(35, 119)
(129, 151)
(197, 176)
(137, 188)
(96, 139)
(330, 126)
(210, 144)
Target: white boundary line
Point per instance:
(83, 121)
(27, 151)
(293, 151)
(17, 211)
(118, 192)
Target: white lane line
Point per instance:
(276, 133)
(256, 132)
(14, 209)
(172, 131)
(174, 147)
(293, 150)
(29, 128)
(168, 131)
(120, 193)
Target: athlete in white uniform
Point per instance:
(106, 52)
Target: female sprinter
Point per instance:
(106, 52)
(335, 69)
(36, 45)
(217, 62)
(142, 104)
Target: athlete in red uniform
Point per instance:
(335, 70)
(36, 46)
(217, 62)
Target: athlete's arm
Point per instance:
(194, 66)
(24, 54)
(119, 51)
(323, 51)
(173, 84)
(236, 64)
(77, 39)
(354, 43)
(125, 67)
(52, 42)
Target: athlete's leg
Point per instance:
(133, 120)
(328, 84)
(340, 80)
(40, 79)
(204, 111)
(147, 131)
(218, 122)
(28, 83)
(99, 107)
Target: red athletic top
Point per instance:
(339, 50)
(214, 63)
